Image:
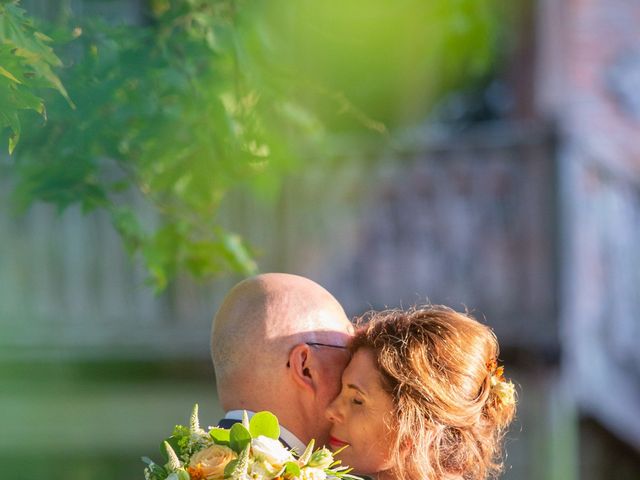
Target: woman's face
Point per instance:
(362, 417)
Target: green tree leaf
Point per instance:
(26, 66)
(9, 75)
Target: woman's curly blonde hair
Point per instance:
(452, 403)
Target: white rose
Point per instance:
(309, 473)
(270, 450)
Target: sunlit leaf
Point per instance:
(9, 75)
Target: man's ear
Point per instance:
(299, 366)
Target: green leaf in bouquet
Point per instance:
(220, 436)
(180, 431)
(304, 458)
(348, 476)
(238, 469)
(291, 469)
(228, 470)
(157, 472)
(239, 438)
(266, 424)
(179, 440)
(183, 474)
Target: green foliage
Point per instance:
(262, 426)
(155, 471)
(221, 436)
(180, 441)
(384, 64)
(162, 115)
(218, 96)
(237, 469)
(26, 62)
(292, 469)
(239, 438)
(265, 424)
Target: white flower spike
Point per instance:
(174, 461)
(194, 422)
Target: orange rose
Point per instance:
(210, 462)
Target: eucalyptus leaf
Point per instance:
(292, 469)
(229, 469)
(220, 436)
(266, 424)
(239, 438)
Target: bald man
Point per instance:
(278, 343)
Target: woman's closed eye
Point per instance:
(356, 401)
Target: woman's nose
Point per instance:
(333, 412)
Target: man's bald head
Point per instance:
(262, 318)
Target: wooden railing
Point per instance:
(463, 221)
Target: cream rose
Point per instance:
(210, 462)
(270, 450)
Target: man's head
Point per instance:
(276, 345)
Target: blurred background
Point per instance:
(480, 154)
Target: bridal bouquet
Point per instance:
(247, 451)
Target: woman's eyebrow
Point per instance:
(355, 387)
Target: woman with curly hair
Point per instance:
(422, 398)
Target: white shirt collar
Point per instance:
(293, 441)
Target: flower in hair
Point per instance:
(504, 390)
